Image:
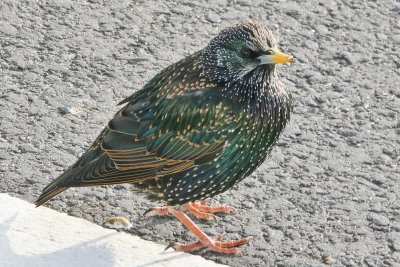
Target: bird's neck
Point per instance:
(254, 91)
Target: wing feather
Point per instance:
(173, 124)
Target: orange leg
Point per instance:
(201, 210)
(157, 210)
(192, 208)
(198, 209)
(201, 206)
(206, 241)
(199, 245)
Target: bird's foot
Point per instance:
(157, 210)
(229, 247)
(199, 209)
(193, 209)
(189, 206)
(203, 211)
(202, 206)
(217, 242)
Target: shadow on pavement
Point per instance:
(83, 254)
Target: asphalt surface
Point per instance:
(331, 186)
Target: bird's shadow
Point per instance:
(87, 253)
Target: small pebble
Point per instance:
(328, 260)
(118, 223)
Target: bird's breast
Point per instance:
(260, 129)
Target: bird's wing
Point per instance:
(146, 141)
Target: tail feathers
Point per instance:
(49, 193)
(54, 188)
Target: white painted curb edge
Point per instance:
(43, 237)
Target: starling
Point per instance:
(193, 131)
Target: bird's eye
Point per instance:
(248, 53)
(269, 52)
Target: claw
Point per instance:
(147, 211)
(231, 210)
(216, 218)
(171, 245)
(157, 210)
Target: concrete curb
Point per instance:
(44, 237)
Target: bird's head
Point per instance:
(240, 50)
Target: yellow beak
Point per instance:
(276, 58)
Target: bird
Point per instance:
(194, 130)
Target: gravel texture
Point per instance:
(329, 191)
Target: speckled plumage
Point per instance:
(194, 130)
